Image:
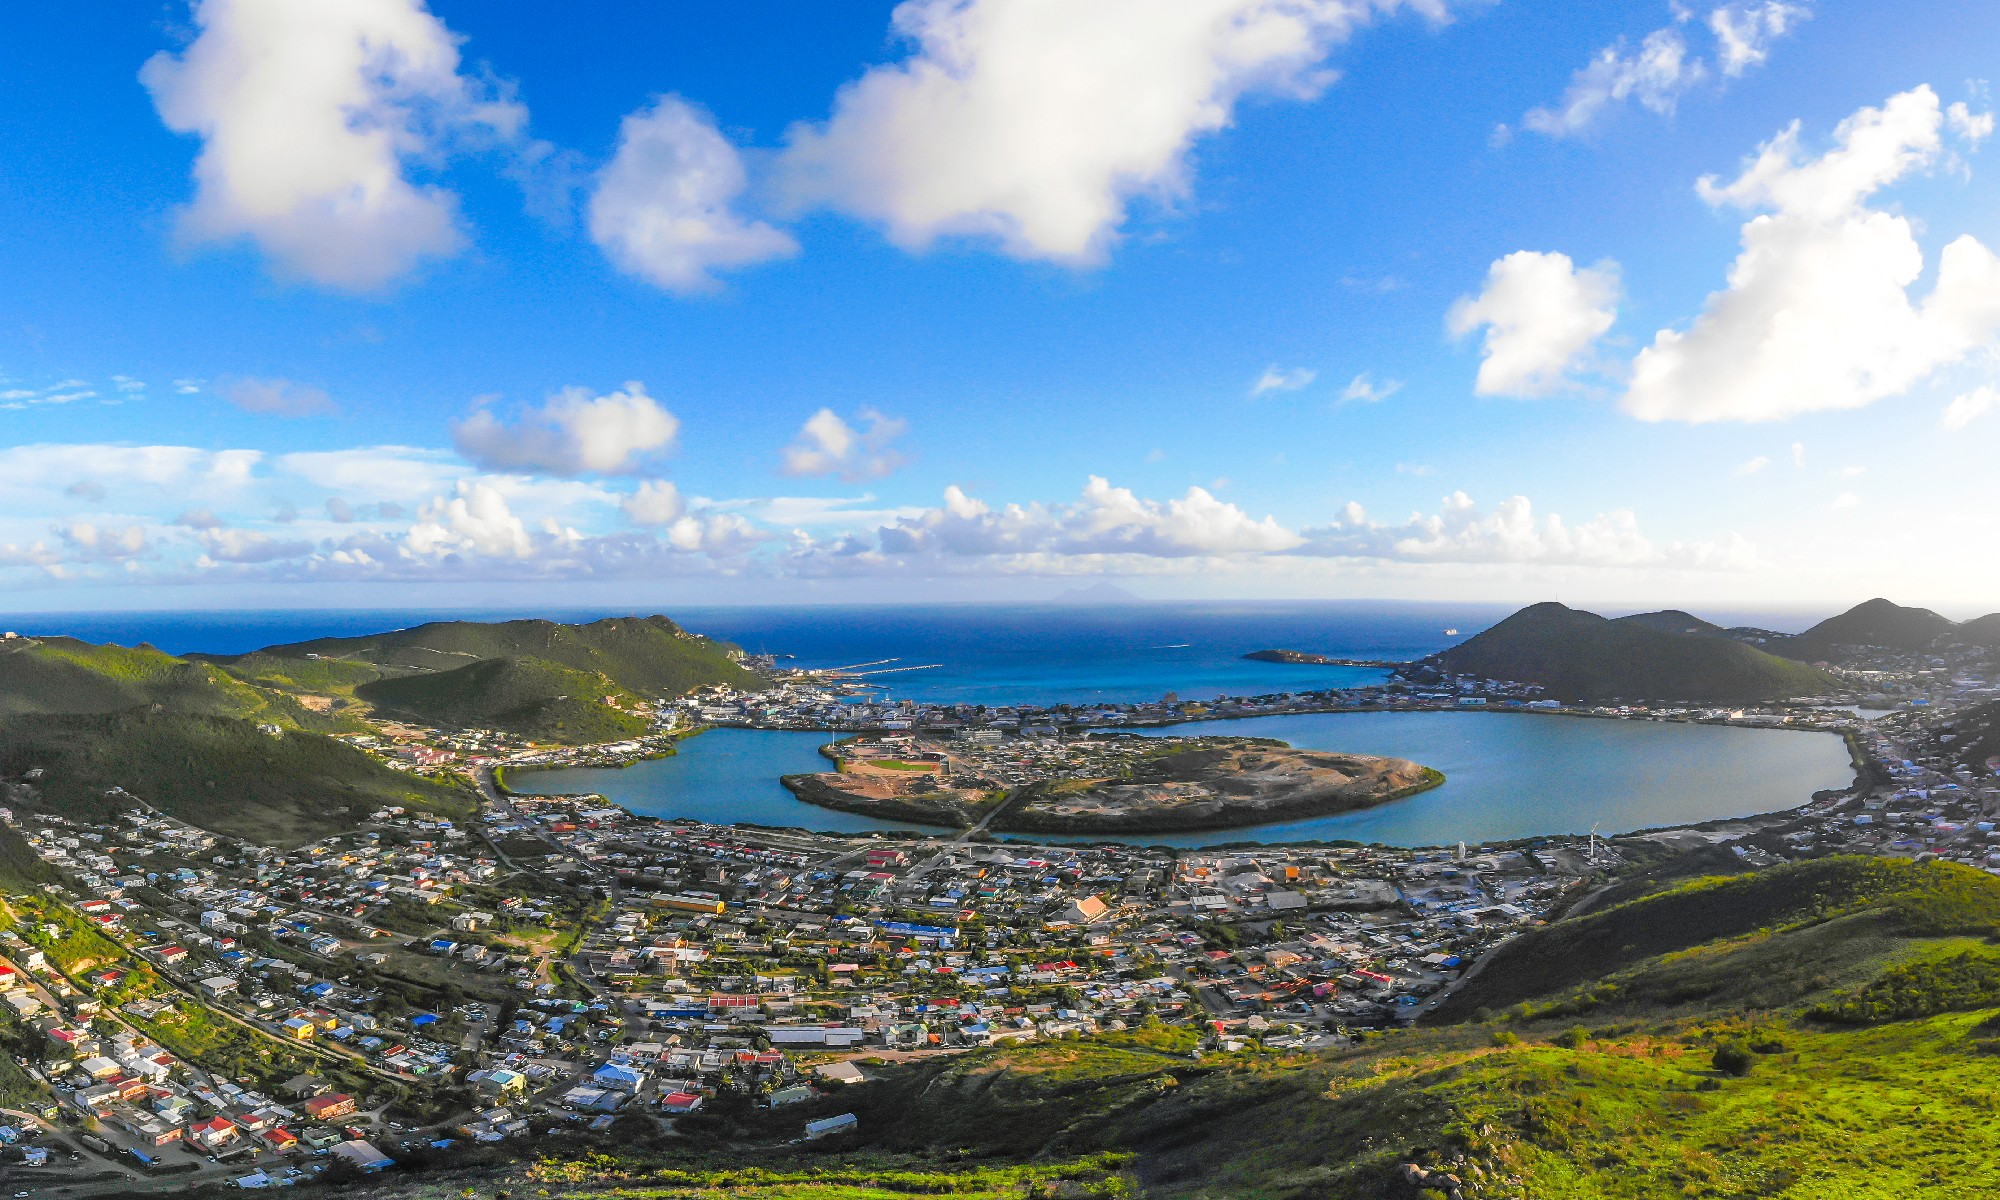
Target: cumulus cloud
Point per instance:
(310, 115)
(1035, 123)
(1277, 379)
(278, 398)
(664, 208)
(1104, 520)
(1664, 66)
(575, 433)
(1969, 407)
(1818, 314)
(827, 445)
(655, 502)
(248, 546)
(1752, 467)
(1510, 532)
(475, 519)
(1541, 314)
(86, 539)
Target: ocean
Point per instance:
(981, 654)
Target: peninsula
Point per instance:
(1127, 785)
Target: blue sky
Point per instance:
(388, 302)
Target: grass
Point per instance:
(1906, 900)
(1097, 1176)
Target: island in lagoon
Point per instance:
(1124, 785)
(1306, 658)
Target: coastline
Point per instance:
(1865, 775)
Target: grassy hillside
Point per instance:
(1875, 622)
(532, 697)
(1581, 656)
(651, 656)
(63, 675)
(220, 773)
(1673, 620)
(1720, 933)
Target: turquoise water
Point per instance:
(1507, 776)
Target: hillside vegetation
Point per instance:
(537, 679)
(1588, 962)
(64, 675)
(651, 656)
(1577, 655)
(532, 697)
(220, 773)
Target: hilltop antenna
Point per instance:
(1593, 842)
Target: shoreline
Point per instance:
(1865, 772)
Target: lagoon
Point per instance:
(1508, 775)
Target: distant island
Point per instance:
(1117, 786)
(1304, 658)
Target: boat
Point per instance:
(1451, 633)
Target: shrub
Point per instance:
(1573, 1037)
(1733, 1058)
(1506, 1037)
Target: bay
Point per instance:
(1507, 776)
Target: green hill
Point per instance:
(1577, 655)
(531, 697)
(650, 656)
(220, 773)
(1798, 924)
(1673, 620)
(1875, 622)
(64, 675)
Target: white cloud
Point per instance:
(575, 433)
(1363, 389)
(90, 540)
(1655, 76)
(1971, 127)
(1817, 314)
(1799, 455)
(1276, 379)
(654, 502)
(1744, 32)
(662, 209)
(248, 546)
(1511, 533)
(1105, 520)
(1845, 501)
(1969, 407)
(474, 520)
(408, 473)
(278, 398)
(1665, 66)
(827, 445)
(1541, 315)
(309, 114)
(1036, 122)
(1752, 467)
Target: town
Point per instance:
(184, 1006)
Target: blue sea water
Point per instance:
(1509, 776)
(985, 654)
